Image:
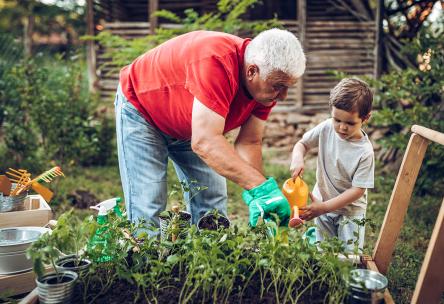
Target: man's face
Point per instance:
(347, 124)
(274, 87)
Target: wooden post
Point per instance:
(28, 31)
(152, 7)
(90, 47)
(430, 284)
(302, 20)
(378, 39)
(399, 201)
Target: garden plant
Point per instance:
(228, 265)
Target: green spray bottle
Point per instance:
(99, 241)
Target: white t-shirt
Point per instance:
(341, 164)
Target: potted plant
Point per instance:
(174, 223)
(213, 220)
(69, 236)
(56, 286)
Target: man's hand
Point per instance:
(315, 209)
(265, 199)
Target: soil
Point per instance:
(82, 199)
(184, 216)
(124, 292)
(72, 264)
(56, 280)
(209, 222)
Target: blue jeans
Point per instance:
(143, 153)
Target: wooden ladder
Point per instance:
(430, 284)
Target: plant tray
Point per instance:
(36, 213)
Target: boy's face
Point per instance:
(347, 124)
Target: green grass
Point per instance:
(104, 183)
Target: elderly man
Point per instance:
(179, 99)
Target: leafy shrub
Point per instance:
(48, 115)
(415, 96)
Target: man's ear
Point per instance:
(252, 70)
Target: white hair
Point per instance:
(276, 49)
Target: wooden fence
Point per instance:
(346, 46)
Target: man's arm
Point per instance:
(249, 142)
(208, 142)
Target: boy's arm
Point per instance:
(297, 159)
(317, 207)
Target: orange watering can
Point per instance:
(296, 192)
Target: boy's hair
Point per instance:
(352, 95)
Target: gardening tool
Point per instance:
(100, 238)
(5, 185)
(296, 192)
(23, 180)
(20, 177)
(99, 241)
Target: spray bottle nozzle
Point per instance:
(109, 204)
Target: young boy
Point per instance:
(345, 164)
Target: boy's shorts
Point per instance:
(341, 226)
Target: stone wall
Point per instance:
(284, 128)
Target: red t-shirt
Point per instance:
(163, 82)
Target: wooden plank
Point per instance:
(90, 48)
(19, 283)
(371, 265)
(152, 8)
(430, 134)
(110, 25)
(31, 298)
(379, 29)
(430, 285)
(302, 19)
(360, 24)
(399, 201)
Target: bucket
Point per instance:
(56, 288)
(165, 221)
(12, 203)
(366, 287)
(69, 262)
(14, 241)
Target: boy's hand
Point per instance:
(296, 167)
(265, 199)
(315, 209)
(297, 160)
